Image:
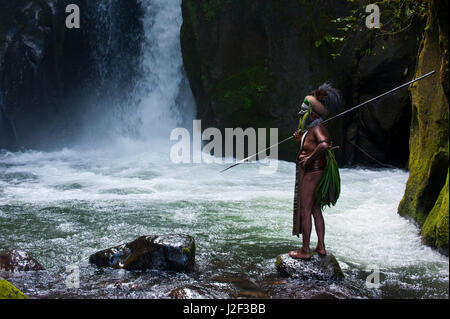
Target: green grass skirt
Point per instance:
(329, 187)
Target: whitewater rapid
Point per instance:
(363, 229)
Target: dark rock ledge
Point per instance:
(166, 252)
(318, 267)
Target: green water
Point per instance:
(63, 206)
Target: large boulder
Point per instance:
(17, 260)
(8, 291)
(318, 267)
(167, 252)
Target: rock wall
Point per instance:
(426, 195)
(251, 62)
(47, 71)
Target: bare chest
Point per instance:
(309, 143)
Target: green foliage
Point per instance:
(329, 187)
(397, 16)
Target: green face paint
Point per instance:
(305, 112)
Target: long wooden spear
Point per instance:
(336, 116)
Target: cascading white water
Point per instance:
(158, 98)
(162, 84)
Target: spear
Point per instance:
(336, 116)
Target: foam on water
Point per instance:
(364, 228)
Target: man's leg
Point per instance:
(320, 229)
(310, 181)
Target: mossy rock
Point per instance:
(9, 291)
(435, 229)
(426, 194)
(318, 267)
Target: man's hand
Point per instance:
(297, 136)
(304, 160)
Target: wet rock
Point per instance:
(189, 292)
(17, 260)
(167, 252)
(318, 267)
(250, 294)
(324, 295)
(48, 71)
(8, 291)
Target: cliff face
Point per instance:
(29, 51)
(426, 195)
(250, 63)
(47, 70)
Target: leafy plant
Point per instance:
(397, 17)
(328, 189)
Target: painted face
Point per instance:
(305, 111)
(306, 106)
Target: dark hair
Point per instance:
(328, 96)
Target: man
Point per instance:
(315, 144)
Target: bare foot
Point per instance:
(320, 251)
(300, 254)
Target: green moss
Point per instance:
(435, 228)
(189, 250)
(427, 190)
(8, 291)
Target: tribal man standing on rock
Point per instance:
(317, 176)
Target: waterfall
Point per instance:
(166, 100)
(140, 90)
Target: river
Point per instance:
(64, 205)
